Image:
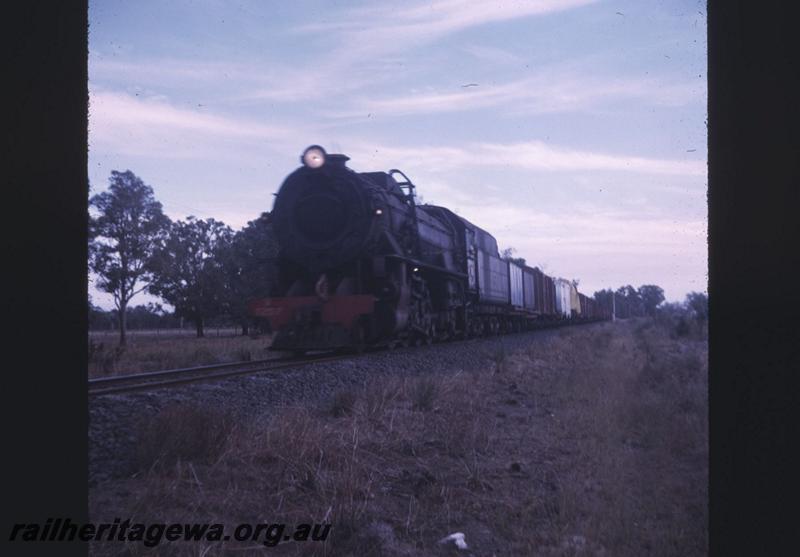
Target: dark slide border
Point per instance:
(754, 196)
(44, 406)
(754, 230)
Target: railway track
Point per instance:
(134, 382)
(175, 377)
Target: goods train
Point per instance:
(363, 263)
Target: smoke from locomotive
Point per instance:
(362, 263)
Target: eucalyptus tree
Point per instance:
(188, 270)
(651, 296)
(250, 268)
(126, 227)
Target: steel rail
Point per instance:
(184, 376)
(123, 378)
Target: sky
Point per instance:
(575, 131)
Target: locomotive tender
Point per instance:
(362, 263)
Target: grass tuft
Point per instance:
(424, 392)
(183, 433)
(343, 403)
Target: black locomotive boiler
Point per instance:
(363, 263)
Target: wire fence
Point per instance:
(166, 333)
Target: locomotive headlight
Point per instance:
(313, 157)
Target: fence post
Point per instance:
(613, 306)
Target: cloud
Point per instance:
(389, 28)
(127, 124)
(167, 70)
(112, 108)
(493, 55)
(550, 91)
(323, 83)
(531, 155)
(226, 81)
(364, 36)
(366, 42)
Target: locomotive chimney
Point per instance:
(337, 160)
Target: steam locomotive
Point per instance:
(363, 263)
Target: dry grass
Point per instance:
(150, 352)
(183, 433)
(637, 480)
(343, 403)
(592, 442)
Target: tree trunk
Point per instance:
(245, 330)
(123, 323)
(199, 326)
